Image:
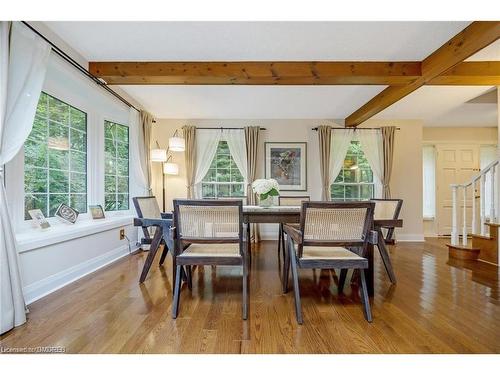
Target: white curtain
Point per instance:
(140, 185)
(371, 144)
(341, 140)
(429, 181)
(206, 147)
(23, 64)
(235, 139)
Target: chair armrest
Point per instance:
(293, 232)
(167, 215)
(373, 237)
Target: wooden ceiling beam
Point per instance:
(471, 73)
(291, 73)
(257, 73)
(473, 38)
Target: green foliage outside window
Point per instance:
(355, 180)
(223, 178)
(55, 158)
(116, 167)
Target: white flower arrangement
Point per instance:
(266, 188)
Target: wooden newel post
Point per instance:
(454, 213)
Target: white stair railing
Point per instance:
(494, 214)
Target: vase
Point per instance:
(267, 202)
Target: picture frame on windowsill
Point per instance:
(97, 212)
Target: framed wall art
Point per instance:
(286, 162)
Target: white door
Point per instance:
(456, 164)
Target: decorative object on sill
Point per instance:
(266, 190)
(39, 219)
(286, 163)
(97, 212)
(176, 143)
(66, 213)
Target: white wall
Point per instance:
(48, 268)
(406, 177)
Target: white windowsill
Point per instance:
(34, 238)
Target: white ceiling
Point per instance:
(245, 41)
(241, 41)
(444, 106)
(253, 102)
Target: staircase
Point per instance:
(485, 230)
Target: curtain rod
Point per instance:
(316, 129)
(222, 128)
(82, 70)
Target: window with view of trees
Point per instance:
(55, 158)
(355, 180)
(116, 171)
(223, 179)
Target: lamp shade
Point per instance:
(158, 155)
(170, 168)
(176, 144)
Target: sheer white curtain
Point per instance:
(341, 140)
(371, 144)
(23, 64)
(206, 147)
(140, 185)
(429, 181)
(235, 139)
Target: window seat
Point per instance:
(34, 238)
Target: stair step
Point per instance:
(463, 252)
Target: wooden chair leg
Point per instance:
(296, 290)
(153, 248)
(385, 257)
(280, 240)
(286, 268)
(342, 277)
(189, 277)
(364, 297)
(163, 254)
(177, 292)
(245, 290)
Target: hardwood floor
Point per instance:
(437, 307)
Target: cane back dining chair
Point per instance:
(155, 226)
(386, 209)
(326, 238)
(288, 201)
(209, 232)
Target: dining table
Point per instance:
(291, 214)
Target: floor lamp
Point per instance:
(160, 155)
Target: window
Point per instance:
(223, 179)
(55, 158)
(429, 182)
(116, 167)
(355, 180)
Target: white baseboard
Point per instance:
(44, 287)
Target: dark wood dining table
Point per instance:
(291, 214)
